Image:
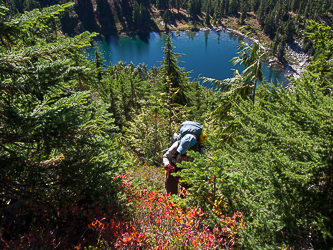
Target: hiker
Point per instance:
(176, 154)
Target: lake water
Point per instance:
(205, 53)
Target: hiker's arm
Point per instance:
(169, 156)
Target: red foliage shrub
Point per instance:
(151, 222)
(158, 223)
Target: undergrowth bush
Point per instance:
(57, 225)
(159, 223)
(146, 220)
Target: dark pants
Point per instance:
(171, 184)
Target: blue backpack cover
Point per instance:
(189, 127)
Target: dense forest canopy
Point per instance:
(73, 133)
(281, 21)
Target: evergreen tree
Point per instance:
(278, 169)
(295, 5)
(322, 39)
(218, 11)
(278, 14)
(207, 16)
(254, 4)
(223, 3)
(234, 6)
(144, 15)
(261, 13)
(243, 15)
(276, 42)
(269, 25)
(170, 70)
(289, 31)
(30, 5)
(162, 4)
(166, 19)
(191, 8)
(277, 172)
(281, 50)
(124, 87)
(178, 5)
(122, 84)
(98, 64)
(55, 142)
(150, 130)
(84, 79)
(15, 6)
(306, 10)
(241, 86)
(198, 5)
(109, 92)
(227, 10)
(136, 13)
(251, 58)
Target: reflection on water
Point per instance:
(205, 53)
(191, 35)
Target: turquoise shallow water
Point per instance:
(205, 53)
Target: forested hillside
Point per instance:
(81, 142)
(281, 22)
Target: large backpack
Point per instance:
(189, 127)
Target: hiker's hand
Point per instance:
(169, 167)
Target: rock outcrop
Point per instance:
(300, 58)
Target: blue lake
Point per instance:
(205, 53)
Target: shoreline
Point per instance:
(293, 51)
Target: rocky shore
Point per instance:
(298, 59)
(301, 58)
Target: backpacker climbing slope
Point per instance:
(189, 138)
